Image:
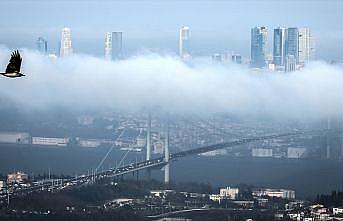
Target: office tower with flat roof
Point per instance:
(108, 46)
(66, 48)
(306, 46)
(42, 45)
(184, 47)
(117, 45)
(258, 47)
(113, 45)
(279, 46)
(292, 46)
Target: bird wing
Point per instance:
(15, 63)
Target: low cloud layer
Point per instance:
(165, 83)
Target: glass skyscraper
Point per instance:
(117, 45)
(258, 47)
(42, 45)
(292, 46)
(279, 46)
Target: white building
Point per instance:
(280, 193)
(215, 197)
(66, 46)
(92, 143)
(296, 153)
(108, 46)
(229, 193)
(184, 47)
(336, 211)
(2, 184)
(306, 46)
(14, 137)
(262, 152)
(50, 141)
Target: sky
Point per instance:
(216, 26)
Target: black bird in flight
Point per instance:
(13, 68)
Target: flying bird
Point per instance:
(13, 68)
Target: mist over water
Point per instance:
(163, 82)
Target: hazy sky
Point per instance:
(215, 25)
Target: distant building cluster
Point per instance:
(291, 152)
(26, 138)
(293, 48)
(280, 193)
(315, 212)
(229, 193)
(18, 177)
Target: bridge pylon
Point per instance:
(148, 143)
(166, 159)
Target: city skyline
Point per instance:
(210, 34)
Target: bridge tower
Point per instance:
(166, 159)
(148, 143)
(328, 139)
(148, 138)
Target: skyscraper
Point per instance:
(113, 45)
(290, 63)
(279, 46)
(258, 47)
(42, 45)
(292, 46)
(117, 45)
(108, 46)
(306, 46)
(184, 47)
(66, 46)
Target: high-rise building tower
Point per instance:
(290, 63)
(148, 138)
(184, 47)
(42, 45)
(258, 47)
(306, 46)
(117, 45)
(166, 159)
(108, 46)
(279, 46)
(66, 46)
(292, 46)
(113, 45)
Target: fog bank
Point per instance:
(163, 82)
